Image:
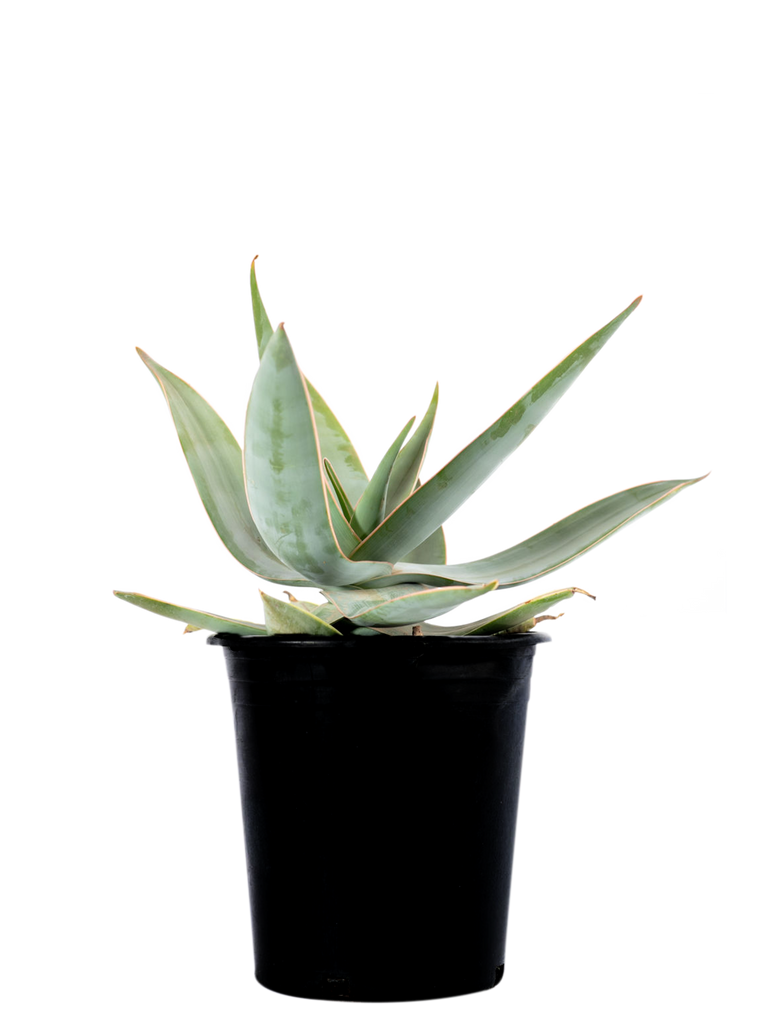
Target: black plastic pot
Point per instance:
(379, 781)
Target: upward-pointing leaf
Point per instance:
(260, 318)
(213, 460)
(284, 475)
(467, 471)
(336, 443)
(370, 510)
(412, 458)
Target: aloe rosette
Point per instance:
(295, 506)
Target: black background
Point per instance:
(409, 278)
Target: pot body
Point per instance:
(379, 782)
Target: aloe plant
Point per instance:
(296, 507)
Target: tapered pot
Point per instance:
(379, 781)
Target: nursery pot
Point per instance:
(379, 780)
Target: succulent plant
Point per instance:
(296, 507)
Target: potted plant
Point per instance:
(379, 754)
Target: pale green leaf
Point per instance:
(508, 620)
(409, 461)
(520, 615)
(406, 477)
(341, 495)
(429, 506)
(334, 442)
(285, 483)
(290, 618)
(399, 606)
(546, 551)
(192, 616)
(336, 446)
(347, 539)
(216, 463)
(260, 318)
(431, 550)
(370, 509)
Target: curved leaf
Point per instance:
(216, 463)
(337, 447)
(334, 442)
(529, 624)
(546, 551)
(285, 484)
(510, 619)
(519, 613)
(429, 506)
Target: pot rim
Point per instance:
(235, 641)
